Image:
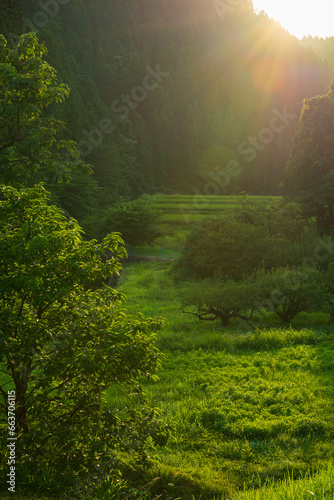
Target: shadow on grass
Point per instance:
(175, 486)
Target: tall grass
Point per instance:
(317, 486)
(250, 411)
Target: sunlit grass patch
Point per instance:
(195, 207)
(316, 486)
(250, 413)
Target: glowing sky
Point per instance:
(301, 17)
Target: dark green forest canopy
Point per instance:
(166, 94)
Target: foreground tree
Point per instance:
(63, 344)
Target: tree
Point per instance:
(309, 176)
(136, 220)
(285, 291)
(230, 246)
(288, 291)
(63, 343)
(28, 144)
(210, 300)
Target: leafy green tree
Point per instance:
(262, 233)
(285, 291)
(309, 176)
(28, 144)
(228, 248)
(288, 291)
(281, 217)
(136, 220)
(210, 300)
(64, 343)
(284, 220)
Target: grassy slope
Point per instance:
(245, 408)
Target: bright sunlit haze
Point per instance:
(301, 18)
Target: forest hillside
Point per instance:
(166, 94)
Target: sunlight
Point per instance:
(300, 18)
(268, 75)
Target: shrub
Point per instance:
(223, 248)
(137, 221)
(285, 291)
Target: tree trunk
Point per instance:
(21, 384)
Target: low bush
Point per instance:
(137, 221)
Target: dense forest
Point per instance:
(323, 46)
(166, 94)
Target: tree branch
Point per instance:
(200, 316)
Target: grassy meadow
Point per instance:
(250, 411)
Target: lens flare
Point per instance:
(268, 75)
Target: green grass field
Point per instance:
(250, 412)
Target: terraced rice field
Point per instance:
(181, 212)
(185, 209)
